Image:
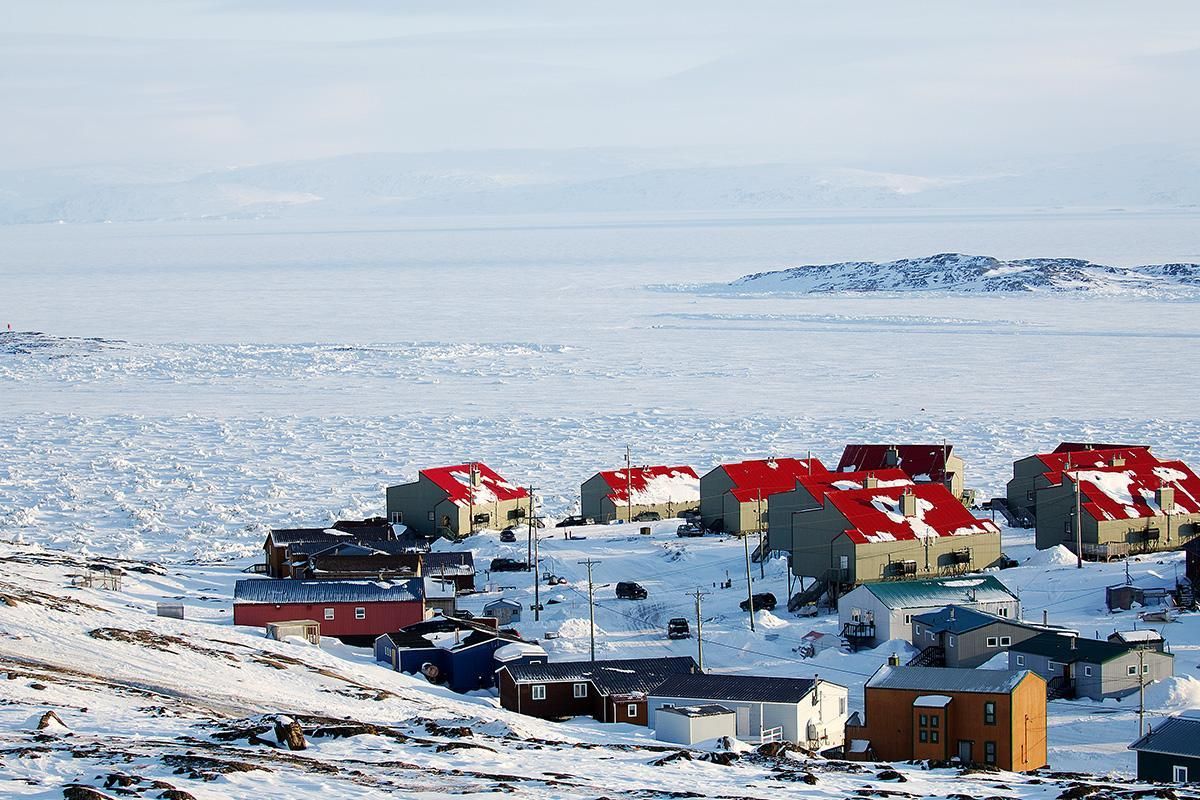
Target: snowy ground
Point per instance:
(255, 376)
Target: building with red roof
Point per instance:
(624, 493)
(457, 500)
(809, 493)
(1034, 472)
(1121, 504)
(923, 463)
(878, 532)
(734, 497)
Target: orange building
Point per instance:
(978, 716)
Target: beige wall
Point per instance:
(416, 500)
(1056, 510)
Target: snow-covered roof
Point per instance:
(767, 476)
(455, 481)
(926, 460)
(514, 650)
(932, 701)
(652, 485)
(820, 484)
(874, 515)
(1142, 635)
(706, 710)
(1129, 491)
(948, 679)
(938, 592)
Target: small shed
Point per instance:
(1140, 639)
(692, 724)
(171, 610)
(308, 629)
(815, 642)
(504, 610)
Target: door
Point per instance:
(743, 721)
(1179, 774)
(964, 751)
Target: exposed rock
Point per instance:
(77, 791)
(50, 720)
(679, 755)
(289, 732)
(891, 775)
(176, 794)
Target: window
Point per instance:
(1030, 495)
(397, 517)
(930, 635)
(580, 690)
(360, 613)
(1087, 671)
(1067, 525)
(538, 692)
(924, 721)
(1179, 774)
(933, 736)
(918, 629)
(431, 516)
(989, 713)
(908, 621)
(329, 613)
(991, 641)
(933, 721)
(989, 752)
(923, 735)
(1145, 669)
(1020, 661)
(1005, 641)
(1004, 611)
(950, 641)
(1132, 669)
(631, 710)
(842, 706)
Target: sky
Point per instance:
(882, 84)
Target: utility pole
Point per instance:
(1141, 692)
(473, 479)
(1078, 520)
(762, 561)
(749, 578)
(529, 532)
(533, 536)
(699, 627)
(589, 563)
(628, 485)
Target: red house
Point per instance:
(357, 610)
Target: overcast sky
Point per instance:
(904, 84)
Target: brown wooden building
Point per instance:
(995, 717)
(609, 691)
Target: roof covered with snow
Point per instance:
(874, 514)
(767, 476)
(1057, 461)
(820, 484)
(287, 590)
(652, 485)
(455, 481)
(936, 592)
(947, 679)
(615, 676)
(706, 710)
(924, 461)
(1130, 491)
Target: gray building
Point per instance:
(736, 497)
(1077, 667)
(1029, 473)
(966, 637)
(692, 724)
(877, 612)
(923, 463)
(1170, 751)
(504, 610)
(456, 501)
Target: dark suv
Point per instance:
(628, 590)
(678, 628)
(574, 520)
(762, 601)
(647, 516)
(508, 565)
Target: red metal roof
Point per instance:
(653, 485)
(820, 484)
(768, 476)
(1056, 462)
(1069, 447)
(1128, 492)
(923, 462)
(455, 481)
(874, 514)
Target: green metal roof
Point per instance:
(941, 591)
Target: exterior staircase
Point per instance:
(932, 656)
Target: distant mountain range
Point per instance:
(957, 273)
(579, 181)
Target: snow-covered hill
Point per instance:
(955, 272)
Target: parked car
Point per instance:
(689, 529)
(762, 600)
(508, 534)
(692, 514)
(647, 516)
(508, 565)
(628, 590)
(678, 628)
(574, 520)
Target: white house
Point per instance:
(876, 612)
(805, 711)
(692, 724)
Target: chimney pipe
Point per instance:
(1045, 617)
